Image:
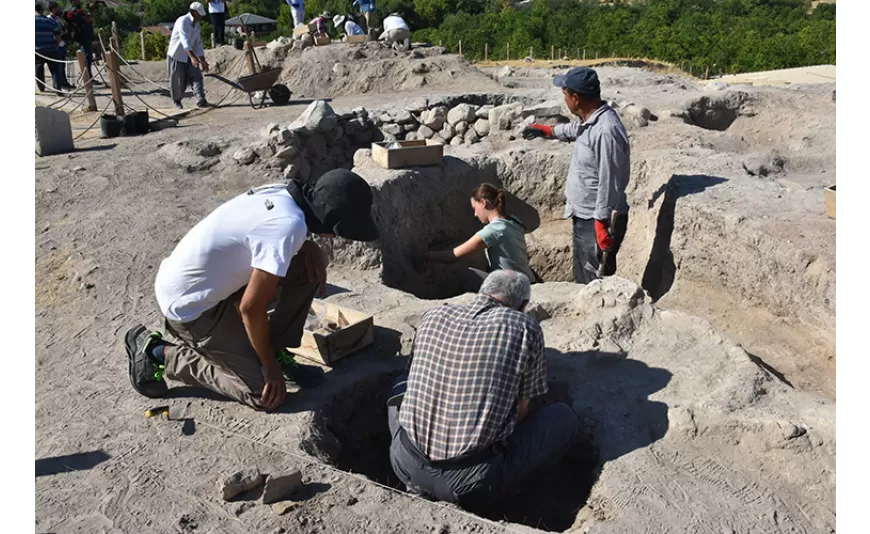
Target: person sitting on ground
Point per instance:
(320, 23)
(47, 42)
(502, 238)
(461, 430)
(185, 57)
(350, 27)
(396, 32)
(215, 288)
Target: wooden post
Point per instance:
(486, 51)
(551, 52)
(212, 40)
(532, 52)
(142, 43)
(86, 81)
(508, 50)
(439, 42)
(584, 54)
(249, 55)
(460, 47)
(596, 54)
(115, 80)
(116, 41)
(707, 73)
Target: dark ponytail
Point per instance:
(496, 197)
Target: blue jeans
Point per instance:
(537, 443)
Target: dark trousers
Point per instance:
(53, 68)
(217, 22)
(88, 49)
(215, 351)
(536, 444)
(588, 256)
(61, 67)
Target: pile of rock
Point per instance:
(319, 140)
(463, 123)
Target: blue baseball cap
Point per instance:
(581, 80)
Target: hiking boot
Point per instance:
(204, 104)
(146, 373)
(178, 104)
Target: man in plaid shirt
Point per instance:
(464, 433)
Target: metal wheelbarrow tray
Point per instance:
(261, 81)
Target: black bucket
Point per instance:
(136, 123)
(238, 43)
(111, 125)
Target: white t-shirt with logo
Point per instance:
(262, 229)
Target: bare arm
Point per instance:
(253, 307)
(474, 244)
(523, 410)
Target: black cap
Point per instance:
(581, 80)
(342, 201)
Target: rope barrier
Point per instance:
(99, 116)
(137, 72)
(55, 60)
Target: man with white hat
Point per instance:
(396, 32)
(350, 27)
(185, 57)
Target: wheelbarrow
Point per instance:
(263, 82)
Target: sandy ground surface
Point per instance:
(709, 410)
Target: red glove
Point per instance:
(537, 130)
(602, 235)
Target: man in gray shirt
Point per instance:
(598, 176)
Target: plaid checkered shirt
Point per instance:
(471, 366)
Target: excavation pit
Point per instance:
(354, 437)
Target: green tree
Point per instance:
(157, 11)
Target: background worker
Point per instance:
(367, 8)
(503, 238)
(396, 32)
(350, 27)
(598, 175)
(185, 57)
(462, 430)
(297, 9)
(81, 25)
(217, 12)
(56, 14)
(217, 286)
(319, 22)
(47, 40)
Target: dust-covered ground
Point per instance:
(704, 372)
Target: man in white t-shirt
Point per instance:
(185, 57)
(216, 287)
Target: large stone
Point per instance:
(271, 127)
(53, 132)
(507, 111)
(281, 487)
(438, 139)
(239, 482)
(434, 118)
(471, 137)
(282, 137)
(447, 132)
(245, 156)
(418, 106)
(317, 117)
(392, 129)
(425, 132)
(281, 508)
(410, 127)
(411, 136)
(457, 140)
(461, 128)
(403, 116)
(483, 112)
(636, 115)
(280, 42)
(287, 153)
(545, 110)
(462, 112)
(481, 126)
(290, 171)
(340, 69)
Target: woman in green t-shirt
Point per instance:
(502, 238)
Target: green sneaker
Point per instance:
(146, 373)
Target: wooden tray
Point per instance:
(417, 153)
(326, 349)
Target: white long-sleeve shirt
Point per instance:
(185, 37)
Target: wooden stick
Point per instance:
(116, 41)
(584, 54)
(142, 43)
(508, 50)
(86, 80)
(460, 47)
(707, 73)
(486, 51)
(551, 52)
(439, 42)
(249, 55)
(212, 40)
(532, 52)
(115, 79)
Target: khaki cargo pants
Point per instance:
(214, 350)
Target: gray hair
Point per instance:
(510, 287)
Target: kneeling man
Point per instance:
(462, 432)
(216, 288)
